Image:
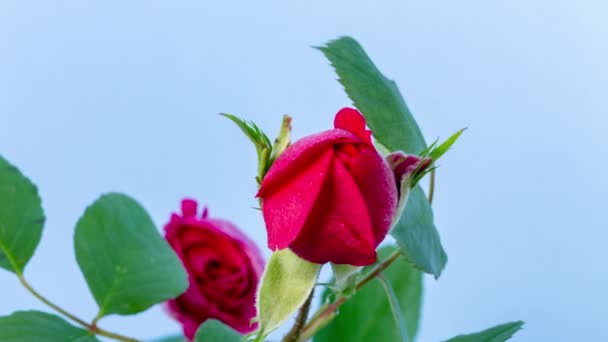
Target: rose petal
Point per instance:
(189, 207)
(299, 155)
(377, 185)
(286, 208)
(247, 245)
(351, 120)
(338, 229)
(189, 323)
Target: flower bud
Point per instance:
(330, 197)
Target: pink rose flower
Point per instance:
(330, 197)
(223, 265)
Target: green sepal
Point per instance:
(285, 285)
(283, 140)
(260, 140)
(436, 152)
(346, 275)
(252, 131)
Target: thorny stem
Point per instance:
(90, 327)
(378, 269)
(296, 330)
(328, 312)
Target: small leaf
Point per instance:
(21, 218)
(376, 96)
(436, 153)
(429, 148)
(36, 326)
(216, 331)
(286, 284)
(499, 333)
(260, 140)
(127, 264)
(367, 316)
(252, 131)
(417, 235)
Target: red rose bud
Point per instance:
(330, 197)
(223, 265)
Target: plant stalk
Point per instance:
(296, 330)
(432, 186)
(326, 314)
(90, 327)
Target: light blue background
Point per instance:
(124, 95)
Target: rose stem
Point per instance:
(320, 319)
(296, 330)
(326, 314)
(432, 186)
(90, 327)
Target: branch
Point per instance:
(296, 330)
(90, 327)
(326, 314)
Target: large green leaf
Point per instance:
(36, 326)
(367, 316)
(395, 308)
(376, 96)
(127, 264)
(417, 235)
(21, 218)
(286, 284)
(499, 333)
(216, 331)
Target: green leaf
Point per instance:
(367, 316)
(440, 150)
(262, 143)
(127, 264)
(216, 331)
(36, 326)
(376, 96)
(499, 333)
(21, 218)
(417, 235)
(251, 130)
(286, 283)
(173, 338)
(395, 308)
(259, 139)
